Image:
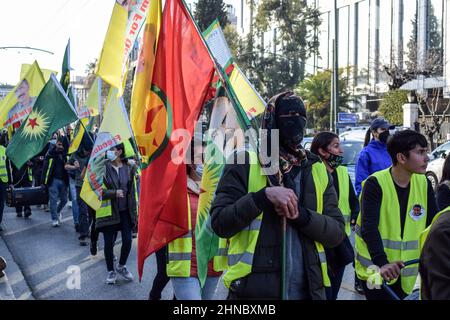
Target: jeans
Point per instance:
(336, 281)
(57, 190)
(109, 236)
(189, 288)
(73, 196)
(83, 215)
(2, 199)
(161, 278)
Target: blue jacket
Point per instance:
(374, 157)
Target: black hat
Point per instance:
(289, 102)
(381, 123)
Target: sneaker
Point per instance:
(27, 214)
(123, 271)
(111, 278)
(19, 215)
(46, 209)
(55, 223)
(358, 287)
(93, 248)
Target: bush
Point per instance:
(391, 107)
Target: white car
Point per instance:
(359, 135)
(436, 164)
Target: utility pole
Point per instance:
(335, 76)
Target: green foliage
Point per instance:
(273, 72)
(206, 11)
(391, 107)
(316, 93)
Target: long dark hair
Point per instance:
(322, 140)
(368, 137)
(446, 169)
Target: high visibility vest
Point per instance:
(424, 234)
(106, 207)
(180, 254)
(395, 247)
(242, 245)
(3, 170)
(344, 194)
(47, 174)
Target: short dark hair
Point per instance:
(403, 142)
(322, 140)
(446, 169)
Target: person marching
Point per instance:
(327, 146)
(251, 214)
(397, 204)
(118, 211)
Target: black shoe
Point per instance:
(19, 215)
(94, 248)
(83, 242)
(27, 214)
(358, 288)
(1, 229)
(77, 228)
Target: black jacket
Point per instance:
(55, 156)
(234, 208)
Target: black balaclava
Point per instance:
(290, 113)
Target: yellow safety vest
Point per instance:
(180, 253)
(396, 247)
(3, 170)
(242, 245)
(344, 193)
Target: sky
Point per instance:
(47, 25)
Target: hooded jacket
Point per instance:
(372, 158)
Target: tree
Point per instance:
(316, 93)
(206, 11)
(392, 106)
(272, 72)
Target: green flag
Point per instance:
(65, 70)
(51, 111)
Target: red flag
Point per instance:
(182, 75)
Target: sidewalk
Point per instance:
(12, 285)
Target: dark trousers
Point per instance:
(109, 236)
(381, 294)
(83, 216)
(2, 199)
(336, 281)
(92, 221)
(23, 184)
(161, 278)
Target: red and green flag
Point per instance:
(182, 76)
(51, 111)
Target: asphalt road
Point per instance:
(44, 263)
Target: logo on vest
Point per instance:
(417, 212)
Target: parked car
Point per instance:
(358, 135)
(436, 164)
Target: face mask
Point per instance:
(334, 160)
(384, 136)
(53, 141)
(111, 155)
(199, 169)
(291, 131)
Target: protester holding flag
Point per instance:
(54, 175)
(120, 200)
(250, 209)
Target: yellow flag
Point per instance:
(75, 143)
(126, 21)
(114, 129)
(94, 97)
(45, 72)
(17, 105)
(250, 100)
(140, 98)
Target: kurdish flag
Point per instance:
(45, 72)
(52, 111)
(65, 70)
(114, 129)
(17, 105)
(182, 76)
(93, 101)
(142, 93)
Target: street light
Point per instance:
(26, 48)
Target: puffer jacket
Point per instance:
(233, 209)
(109, 192)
